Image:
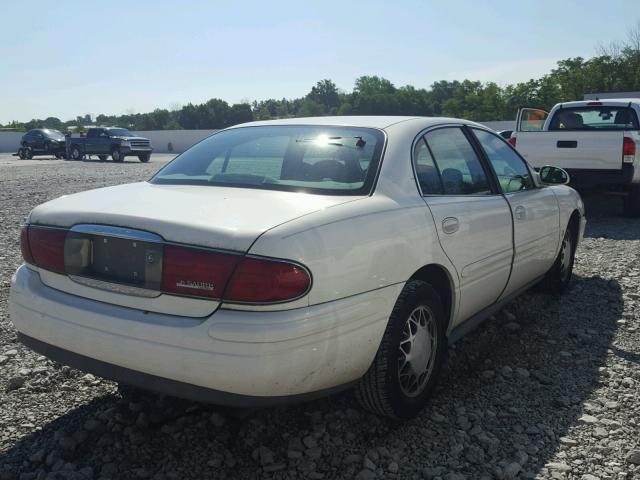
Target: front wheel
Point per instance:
(409, 359)
(144, 158)
(103, 158)
(22, 153)
(117, 155)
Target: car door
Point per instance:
(38, 140)
(94, 144)
(472, 218)
(536, 214)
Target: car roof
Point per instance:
(366, 121)
(606, 102)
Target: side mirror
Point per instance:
(554, 175)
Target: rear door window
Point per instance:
(594, 118)
(460, 168)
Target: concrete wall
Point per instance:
(10, 141)
(160, 139)
(500, 125)
(179, 139)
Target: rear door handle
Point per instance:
(520, 213)
(450, 225)
(567, 144)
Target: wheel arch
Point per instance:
(574, 225)
(441, 280)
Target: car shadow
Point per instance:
(605, 218)
(510, 390)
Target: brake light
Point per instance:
(628, 150)
(24, 245)
(44, 247)
(594, 104)
(512, 141)
(196, 272)
(258, 280)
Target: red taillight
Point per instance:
(191, 271)
(628, 150)
(594, 104)
(258, 280)
(45, 247)
(512, 141)
(24, 245)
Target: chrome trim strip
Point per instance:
(115, 287)
(118, 232)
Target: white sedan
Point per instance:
(282, 260)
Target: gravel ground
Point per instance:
(548, 388)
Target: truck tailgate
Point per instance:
(588, 150)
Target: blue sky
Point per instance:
(70, 58)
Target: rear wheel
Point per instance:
(28, 153)
(144, 158)
(76, 154)
(117, 155)
(22, 153)
(407, 364)
(632, 202)
(103, 158)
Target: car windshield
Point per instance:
(316, 159)
(51, 133)
(120, 132)
(594, 118)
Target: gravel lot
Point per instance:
(549, 388)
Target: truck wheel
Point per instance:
(117, 155)
(632, 202)
(76, 154)
(103, 158)
(144, 158)
(409, 358)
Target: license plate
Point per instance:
(112, 259)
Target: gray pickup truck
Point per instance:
(105, 141)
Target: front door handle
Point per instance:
(450, 225)
(520, 213)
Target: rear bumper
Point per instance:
(270, 355)
(589, 178)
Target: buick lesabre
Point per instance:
(282, 260)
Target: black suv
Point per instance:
(42, 141)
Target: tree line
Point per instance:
(616, 68)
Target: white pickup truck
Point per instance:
(597, 142)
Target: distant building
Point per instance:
(603, 95)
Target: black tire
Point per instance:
(144, 158)
(28, 153)
(22, 153)
(75, 153)
(103, 158)
(557, 279)
(384, 389)
(632, 202)
(117, 155)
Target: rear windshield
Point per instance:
(316, 159)
(594, 118)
